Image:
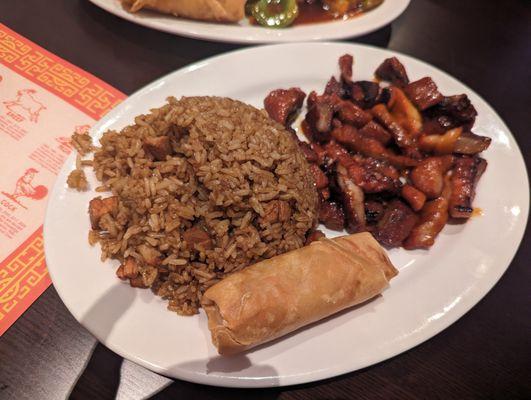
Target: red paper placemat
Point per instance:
(43, 100)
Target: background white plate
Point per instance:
(243, 32)
(434, 288)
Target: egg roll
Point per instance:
(207, 10)
(277, 296)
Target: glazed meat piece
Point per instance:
(349, 113)
(319, 177)
(333, 86)
(395, 225)
(345, 66)
(459, 108)
(374, 176)
(283, 105)
(320, 152)
(309, 153)
(469, 143)
(373, 211)
(428, 176)
(423, 93)
(320, 113)
(414, 197)
(433, 218)
(374, 130)
(349, 137)
(451, 112)
(465, 175)
(335, 151)
(331, 215)
(352, 197)
(393, 71)
(365, 93)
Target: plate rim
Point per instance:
(249, 382)
(233, 37)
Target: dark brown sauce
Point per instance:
(315, 13)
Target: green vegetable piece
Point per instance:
(275, 13)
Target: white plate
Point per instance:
(434, 288)
(243, 32)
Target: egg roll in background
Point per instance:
(207, 10)
(279, 295)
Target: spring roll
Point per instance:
(207, 10)
(279, 295)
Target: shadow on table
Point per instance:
(101, 376)
(378, 38)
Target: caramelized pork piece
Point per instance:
(283, 105)
(470, 144)
(158, 146)
(345, 66)
(309, 153)
(349, 137)
(98, 207)
(392, 70)
(352, 197)
(196, 237)
(452, 112)
(365, 94)
(331, 215)
(374, 130)
(333, 86)
(319, 116)
(423, 93)
(465, 175)
(374, 211)
(325, 193)
(395, 225)
(349, 113)
(428, 176)
(414, 197)
(374, 176)
(314, 236)
(334, 151)
(320, 152)
(433, 218)
(440, 144)
(319, 177)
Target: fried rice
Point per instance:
(201, 187)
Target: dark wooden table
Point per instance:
(487, 354)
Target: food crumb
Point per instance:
(77, 180)
(82, 143)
